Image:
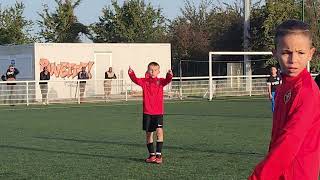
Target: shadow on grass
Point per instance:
(227, 114)
(12, 175)
(192, 149)
(71, 153)
(221, 115)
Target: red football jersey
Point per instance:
(294, 151)
(152, 92)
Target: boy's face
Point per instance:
(273, 71)
(154, 71)
(293, 53)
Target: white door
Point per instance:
(103, 60)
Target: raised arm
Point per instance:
(168, 78)
(16, 71)
(133, 77)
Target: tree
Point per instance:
(14, 28)
(189, 37)
(277, 12)
(266, 18)
(312, 16)
(134, 21)
(226, 28)
(61, 26)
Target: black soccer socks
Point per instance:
(151, 148)
(159, 148)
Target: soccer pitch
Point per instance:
(222, 139)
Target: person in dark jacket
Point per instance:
(10, 75)
(82, 84)
(44, 77)
(108, 76)
(317, 79)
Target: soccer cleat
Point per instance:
(158, 160)
(151, 159)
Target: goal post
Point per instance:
(246, 64)
(211, 54)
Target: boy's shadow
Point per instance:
(71, 153)
(192, 149)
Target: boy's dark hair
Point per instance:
(153, 64)
(292, 27)
(273, 66)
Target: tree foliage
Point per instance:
(14, 27)
(134, 21)
(189, 33)
(209, 26)
(62, 25)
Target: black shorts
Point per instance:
(152, 122)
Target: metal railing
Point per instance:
(75, 91)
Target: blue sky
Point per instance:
(89, 10)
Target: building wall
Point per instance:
(119, 56)
(65, 60)
(22, 56)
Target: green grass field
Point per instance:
(222, 139)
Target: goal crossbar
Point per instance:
(239, 53)
(228, 53)
(225, 53)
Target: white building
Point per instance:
(64, 60)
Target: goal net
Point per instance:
(224, 74)
(245, 73)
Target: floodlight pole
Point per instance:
(302, 10)
(246, 36)
(180, 71)
(246, 24)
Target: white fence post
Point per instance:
(210, 78)
(250, 87)
(78, 92)
(27, 93)
(47, 94)
(126, 93)
(180, 92)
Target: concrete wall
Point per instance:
(65, 60)
(102, 56)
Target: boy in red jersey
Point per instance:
(294, 151)
(152, 87)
